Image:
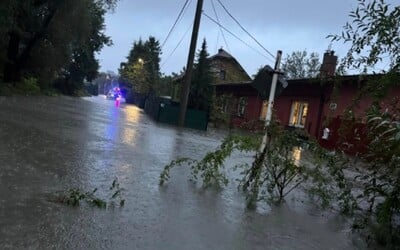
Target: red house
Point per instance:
(314, 105)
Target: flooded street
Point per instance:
(52, 144)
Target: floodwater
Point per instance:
(53, 144)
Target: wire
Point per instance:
(179, 43)
(181, 12)
(236, 36)
(245, 29)
(216, 16)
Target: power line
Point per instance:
(176, 21)
(222, 33)
(245, 29)
(179, 43)
(236, 36)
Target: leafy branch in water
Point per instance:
(73, 197)
(210, 167)
(274, 173)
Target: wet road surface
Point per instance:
(52, 144)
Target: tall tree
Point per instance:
(43, 35)
(142, 69)
(201, 92)
(298, 65)
(84, 65)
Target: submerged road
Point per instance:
(53, 144)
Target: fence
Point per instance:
(164, 110)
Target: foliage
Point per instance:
(275, 171)
(74, 196)
(52, 39)
(211, 166)
(220, 112)
(373, 34)
(29, 86)
(200, 89)
(381, 181)
(164, 87)
(298, 65)
(142, 70)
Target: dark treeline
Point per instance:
(51, 43)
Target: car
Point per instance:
(113, 93)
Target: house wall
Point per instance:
(304, 91)
(233, 71)
(251, 114)
(283, 107)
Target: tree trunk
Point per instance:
(11, 71)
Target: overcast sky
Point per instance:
(287, 25)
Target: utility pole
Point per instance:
(271, 97)
(189, 67)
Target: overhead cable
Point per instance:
(222, 33)
(179, 43)
(245, 29)
(213, 20)
(180, 15)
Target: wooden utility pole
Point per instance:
(189, 67)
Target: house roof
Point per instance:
(222, 53)
(242, 83)
(262, 82)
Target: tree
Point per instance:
(373, 35)
(45, 36)
(201, 92)
(298, 65)
(142, 69)
(152, 65)
(84, 65)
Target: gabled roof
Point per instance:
(223, 54)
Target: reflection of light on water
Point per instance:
(128, 135)
(296, 155)
(132, 114)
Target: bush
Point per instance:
(28, 86)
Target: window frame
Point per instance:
(241, 106)
(296, 120)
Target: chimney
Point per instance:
(328, 66)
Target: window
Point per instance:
(264, 109)
(298, 114)
(222, 74)
(242, 106)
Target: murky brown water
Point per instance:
(54, 144)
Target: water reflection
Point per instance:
(132, 117)
(296, 155)
(132, 114)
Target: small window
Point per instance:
(222, 74)
(298, 114)
(264, 110)
(242, 106)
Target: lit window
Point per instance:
(242, 106)
(264, 109)
(298, 114)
